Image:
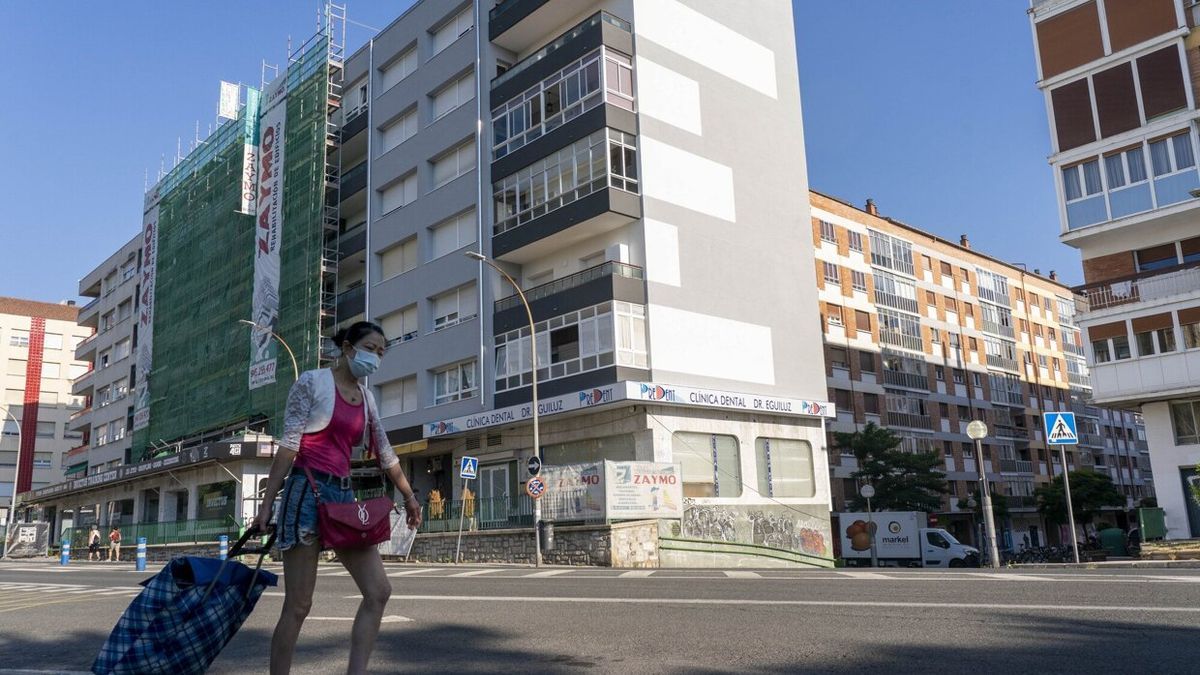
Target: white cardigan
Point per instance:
(310, 409)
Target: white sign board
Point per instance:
(643, 490)
(230, 95)
(268, 231)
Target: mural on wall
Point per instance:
(793, 528)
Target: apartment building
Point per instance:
(1119, 78)
(37, 347)
(599, 153)
(923, 335)
(106, 419)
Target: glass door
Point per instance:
(493, 493)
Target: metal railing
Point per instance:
(558, 43)
(608, 269)
(910, 420)
(896, 301)
(997, 328)
(1021, 501)
(1072, 348)
(167, 532)
(900, 378)
(1141, 288)
(86, 342)
(1016, 466)
(1002, 362)
(898, 339)
(1079, 379)
(88, 307)
(84, 376)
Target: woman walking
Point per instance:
(328, 413)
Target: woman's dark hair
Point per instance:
(356, 332)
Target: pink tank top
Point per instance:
(328, 450)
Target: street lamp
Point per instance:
(868, 491)
(977, 431)
(537, 446)
(12, 499)
(264, 329)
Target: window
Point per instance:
(1125, 168)
(454, 28)
(866, 362)
(871, 403)
(121, 350)
(453, 95)
(17, 366)
(842, 402)
(838, 358)
(454, 307)
(711, 464)
(120, 388)
(401, 193)
(947, 270)
(108, 321)
(1156, 258)
(452, 234)
(577, 342)
(363, 99)
(400, 68)
(400, 326)
(45, 429)
(399, 130)
(785, 467)
(958, 375)
(862, 321)
(1157, 341)
(833, 315)
(896, 292)
(455, 383)
(18, 338)
(1171, 154)
(831, 273)
(561, 97)
(50, 371)
(103, 396)
(1189, 325)
(398, 397)
(900, 330)
(1081, 180)
(398, 259)
(894, 254)
(939, 373)
(856, 243)
(572, 173)
(976, 379)
(828, 231)
(1183, 418)
(124, 311)
(128, 270)
(55, 340)
(453, 163)
(858, 280)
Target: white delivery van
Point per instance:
(901, 541)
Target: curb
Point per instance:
(1123, 564)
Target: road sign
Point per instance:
(536, 487)
(535, 465)
(1060, 428)
(468, 467)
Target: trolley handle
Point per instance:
(240, 548)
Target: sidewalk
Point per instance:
(1116, 564)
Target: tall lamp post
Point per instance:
(868, 491)
(264, 329)
(537, 446)
(12, 499)
(977, 431)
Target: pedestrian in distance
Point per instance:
(114, 544)
(94, 544)
(328, 413)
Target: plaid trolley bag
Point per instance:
(186, 614)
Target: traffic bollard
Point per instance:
(141, 554)
(65, 556)
(224, 548)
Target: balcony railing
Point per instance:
(79, 413)
(900, 378)
(608, 269)
(84, 343)
(1079, 379)
(1021, 501)
(77, 451)
(1002, 362)
(896, 301)
(1016, 466)
(1075, 349)
(898, 339)
(75, 382)
(1180, 281)
(562, 40)
(910, 420)
(1006, 431)
(88, 307)
(997, 328)
(1091, 440)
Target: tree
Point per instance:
(903, 481)
(1090, 491)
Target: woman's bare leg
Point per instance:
(299, 578)
(366, 568)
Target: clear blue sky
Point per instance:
(928, 107)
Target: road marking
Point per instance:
(392, 618)
(408, 572)
(547, 573)
(635, 574)
(742, 574)
(1166, 578)
(1010, 576)
(274, 594)
(475, 573)
(866, 575)
(795, 603)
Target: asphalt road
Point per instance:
(493, 619)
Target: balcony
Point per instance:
(909, 420)
(1133, 381)
(1167, 284)
(896, 301)
(1023, 502)
(351, 303)
(900, 339)
(352, 241)
(1090, 440)
(86, 349)
(996, 361)
(1079, 379)
(602, 283)
(82, 385)
(997, 328)
(519, 25)
(353, 180)
(900, 378)
(1075, 349)
(1016, 466)
(355, 122)
(89, 314)
(1013, 432)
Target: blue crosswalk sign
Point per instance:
(468, 467)
(1060, 428)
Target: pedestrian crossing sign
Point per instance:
(468, 467)
(1060, 428)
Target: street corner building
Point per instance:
(637, 167)
(1120, 83)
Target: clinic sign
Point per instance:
(633, 391)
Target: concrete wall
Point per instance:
(622, 545)
(1166, 459)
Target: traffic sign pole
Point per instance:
(462, 514)
(1070, 507)
(1062, 431)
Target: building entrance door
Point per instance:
(1191, 479)
(493, 493)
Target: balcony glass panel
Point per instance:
(1176, 188)
(1086, 212)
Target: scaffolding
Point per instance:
(205, 272)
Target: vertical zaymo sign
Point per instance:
(145, 350)
(268, 228)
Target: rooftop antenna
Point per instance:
(146, 180)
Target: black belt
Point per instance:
(342, 482)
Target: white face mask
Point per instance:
(364, 363)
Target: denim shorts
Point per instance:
(296, 518)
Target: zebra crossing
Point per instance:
(21, 595)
